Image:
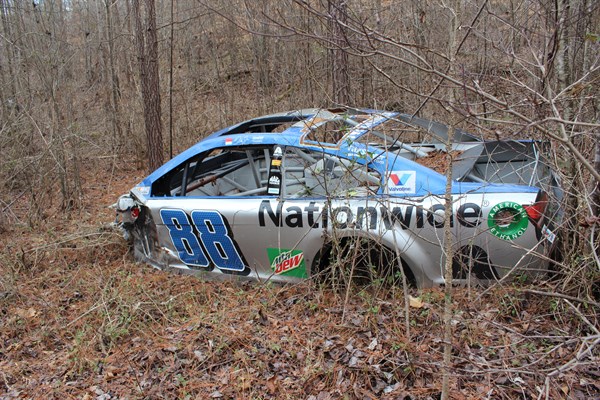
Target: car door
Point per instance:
(206, 211)
(318, 188)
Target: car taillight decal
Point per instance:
(536, 210)
(206, 235)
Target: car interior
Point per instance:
(244, 171)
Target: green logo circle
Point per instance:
(508, 220)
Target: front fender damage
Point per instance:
(138, 228)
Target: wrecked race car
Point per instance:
(293, 195)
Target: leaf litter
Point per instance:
(80, 319)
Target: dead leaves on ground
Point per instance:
(81, 320)
(199, 339)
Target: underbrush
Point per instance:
(80, 319)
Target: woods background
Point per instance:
(71, 82)
(98, 85)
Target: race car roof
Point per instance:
(297, 128)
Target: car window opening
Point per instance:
(247, 171)
(317, 174)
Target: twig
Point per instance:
(83, 315)
(583, 317)
(571, 363)
(66, 240)
(562, 296)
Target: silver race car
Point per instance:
(291, 195)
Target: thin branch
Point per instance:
(562, 296)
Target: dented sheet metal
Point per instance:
(266, 198)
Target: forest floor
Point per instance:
(80, 319)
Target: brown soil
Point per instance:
(81, 320)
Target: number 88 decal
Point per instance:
(213, 239)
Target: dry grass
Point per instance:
(81, 320)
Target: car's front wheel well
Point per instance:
(144, 235)
(360, 260)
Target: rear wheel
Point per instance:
(473, 260)
(360, 262)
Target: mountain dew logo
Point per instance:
(287, 262)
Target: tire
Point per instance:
(360, 262)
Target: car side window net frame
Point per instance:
(222, 172)
(239, 172)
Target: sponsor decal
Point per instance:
(274, 183)
(228, 141)
(313, 215)
(144, 190)
(402, 182)
(508, 220)
(204, 239)
(548, 234)
(357, 152)
(287, 262)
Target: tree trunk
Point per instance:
(12, 94)
(114, 79)
(448, 203)
(148, 63)
(340, 81)
(596, 193)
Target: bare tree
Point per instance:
(340, 80)
(147, 45)
(114, 79)
(454, 22)
(8, 95)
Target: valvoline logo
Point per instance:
(404, 182)
(287, 262)
(400, 180)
